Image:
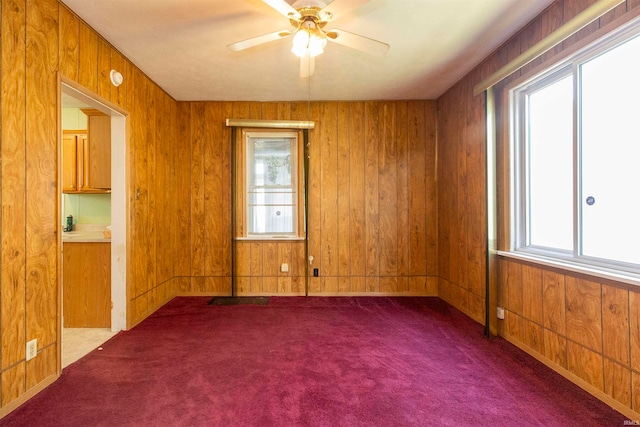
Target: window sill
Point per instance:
(598, 272)
(270, 239)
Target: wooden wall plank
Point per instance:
(445, 182)
(357, 211)
(104, 69)
(140, 180)
(182, 162)
(69, 43)
(13, 382)
(533, 336)
(431, 187)
(88, 58)
(271, 262)
(613, 14)
(586, 364)
(402, 186)
(344, 196)
(13, 107)
(634, 327)
(584, 319)
(197, 188)
(41, 367)
(227, 247)
(513, 284)
(554, 301)
(615, 324)
(417, 186)
(388, 194)
(153, 104)
(213, 169)
(41, 158)
(617, 382)
(329, 189)
(372, 229)
(476, 235)
(555, 348)
(459, 271)
(162, 195)
(532, 294)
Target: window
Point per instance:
(272, 202)
(577, 157)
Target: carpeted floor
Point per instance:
(310, 362)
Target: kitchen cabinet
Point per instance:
(86, 156)
(86, 281)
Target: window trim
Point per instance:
(573, 261)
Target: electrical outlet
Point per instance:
(315, 272)
(500, 313)
(32, 349)
(284, 267)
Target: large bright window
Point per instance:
(272, 187)
(577, 158)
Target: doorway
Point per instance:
(78, 341)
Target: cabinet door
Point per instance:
(69, 162)
(86, 283)
(97, 156)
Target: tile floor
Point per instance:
(77, 342)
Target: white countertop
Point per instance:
(86, 233)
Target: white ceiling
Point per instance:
(181, 45)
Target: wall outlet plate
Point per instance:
(32, 349)
(500, 313)
(284, 267)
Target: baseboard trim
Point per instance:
(15, 404)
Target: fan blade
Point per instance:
(283, 8)
(307, 65)
(255, 41)
(355, 41)
(337, 8)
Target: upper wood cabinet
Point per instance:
(86, 156)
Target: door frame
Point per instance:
(119, 202)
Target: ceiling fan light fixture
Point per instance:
(300, 42)
(308, 39)
(317, 42)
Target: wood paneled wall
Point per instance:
(578, 326)
(39, 40)
(371, 203)
(588, 330)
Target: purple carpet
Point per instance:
(310, 362)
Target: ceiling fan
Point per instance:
(308, 19)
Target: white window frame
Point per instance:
(520, 248)
(296, 183)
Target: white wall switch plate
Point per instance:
(284, 267)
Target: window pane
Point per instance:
(549, 166)
(272, 162)
(610, 149)
(271, 183)
(271, 211)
